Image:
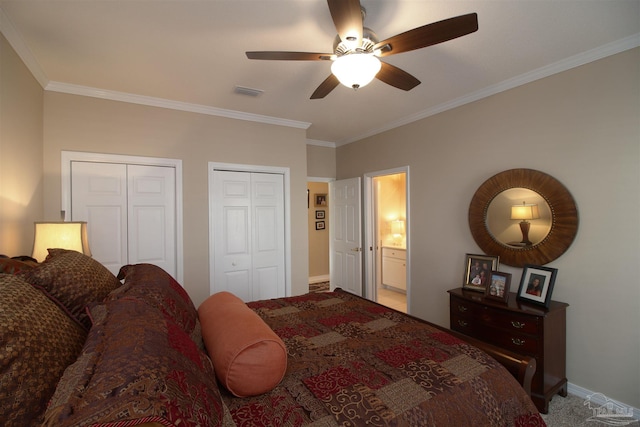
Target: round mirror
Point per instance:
(523, 216)
(518, 217)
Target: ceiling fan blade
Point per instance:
(429, 34)
(396, 77)
(326, 87)
(290, 56)
(347, 17)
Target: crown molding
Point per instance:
(17, 43)
(172, 105)
(592, 55)
(320, 143)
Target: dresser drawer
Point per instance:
(515, 322)
(520, 343)
(504, 319)
(466, 308)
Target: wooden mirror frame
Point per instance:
(564, 217)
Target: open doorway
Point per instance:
(386, 231)
(318, 230)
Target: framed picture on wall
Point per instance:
(320, 199)
(477, 270)
(319, 214)
(319, 225)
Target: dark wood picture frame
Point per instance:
(478, 268)
(319, 225)
(320, 199)
(319, 214)
(536, 284)
(499, 285)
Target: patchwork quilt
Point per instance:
(352, 362)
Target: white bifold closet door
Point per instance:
(130, 212)
(248, 230)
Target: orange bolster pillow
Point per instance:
(248, 357)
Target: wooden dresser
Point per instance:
(519, 327)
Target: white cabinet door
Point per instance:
(130, 212)
(248, 230)
(345, 230)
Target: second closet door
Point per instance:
(249, 234)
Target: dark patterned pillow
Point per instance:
(157, 288)
(74, 279)
(14, 266)
(138, 366)
(37, 342)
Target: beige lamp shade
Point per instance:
(60, 235)
(397, 227)
(525, 212)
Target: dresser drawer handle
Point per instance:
(517, 325)
(517, 341)
(463, 323)
(462, 308)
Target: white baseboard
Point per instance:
(599, 399)
(318, 279)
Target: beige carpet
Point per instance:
(571, 411)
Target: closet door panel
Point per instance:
(232, 234)
(248, 234)
(99, 197)
(152, 216)
(268, 235)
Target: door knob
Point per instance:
(356, 250)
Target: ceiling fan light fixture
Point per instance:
(356, 70)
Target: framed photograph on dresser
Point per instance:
(536, 284)
(499, 284)
(477, 269)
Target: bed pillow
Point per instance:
(37, 342)
(156, 287)
(248, 357)
(73, 279)
(136, 367)
(14, 266)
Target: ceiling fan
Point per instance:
(357, 49)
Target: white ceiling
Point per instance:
(190, 54)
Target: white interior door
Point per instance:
(99, 197)
(248, 234)
(152, 216)
(345, 239)
(130, 212)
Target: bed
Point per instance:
(352, 362)
(81, 348)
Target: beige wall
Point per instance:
(80, 123)
(581, 126)
(20, 153)
(318, 239)
(321, 161)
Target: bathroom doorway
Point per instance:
(386, 213)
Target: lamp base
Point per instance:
(524, 227)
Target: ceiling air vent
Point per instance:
(241, 90)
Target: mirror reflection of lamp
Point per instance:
(525, 212)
